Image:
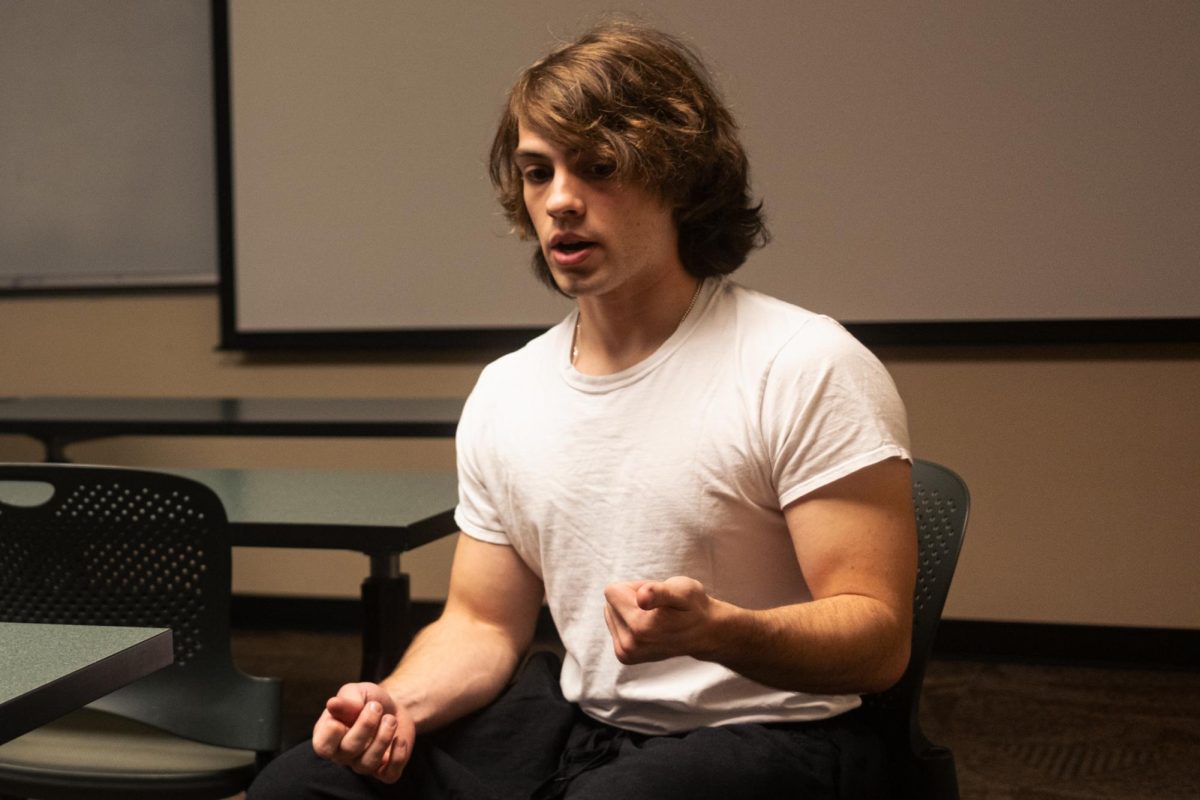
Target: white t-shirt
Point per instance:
(679, 465)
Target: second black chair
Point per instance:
(115, 546)
(921, 770)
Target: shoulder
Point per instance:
(826, 405)
(780, 333)
(804, 364)
(533, 361)
(505, 383)
(823, 343)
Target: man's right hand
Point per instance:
(456, 665)
(363, 728)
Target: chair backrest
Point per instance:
(941, 502)
(118, 546)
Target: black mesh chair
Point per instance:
(920, 769)
(116, 546)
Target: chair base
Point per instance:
(121, 759)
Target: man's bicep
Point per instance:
(857, 535)
(490, 584)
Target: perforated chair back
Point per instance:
(117, 546)
(921, 769)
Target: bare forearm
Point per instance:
(454, 666)
(844, 643)
(841, 644)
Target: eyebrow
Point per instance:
(526, 154)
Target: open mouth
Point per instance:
(573, 247)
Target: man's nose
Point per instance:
(566, 196)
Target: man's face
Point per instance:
(597, 233)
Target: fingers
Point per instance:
(349, 702)
(609, 621)
(341, 712)
(344, 744)
(327, 735)
(376, 756)
(622, 595)
(650, 596)
(361, 734)
(678, 593)
(397, 754)
(619, 632)
(655, 620)
(631, 628)
(378, 743)
(361, 728)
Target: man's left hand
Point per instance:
(656, 620)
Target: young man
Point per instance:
(709, 487)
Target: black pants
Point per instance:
(534, 745)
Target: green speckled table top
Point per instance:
(49, 670)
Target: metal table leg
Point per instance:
(386, 625)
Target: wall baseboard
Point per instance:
(1098, 645)
(1091, 645)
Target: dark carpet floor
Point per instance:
(1018, 731)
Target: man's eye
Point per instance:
(536, 175)
(602, 169)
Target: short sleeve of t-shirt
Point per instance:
(477, 513)
(828, 408)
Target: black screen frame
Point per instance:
(875, 333)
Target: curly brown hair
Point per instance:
(641, 100)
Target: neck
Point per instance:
(613, 335)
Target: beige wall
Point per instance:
(1082, 461)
